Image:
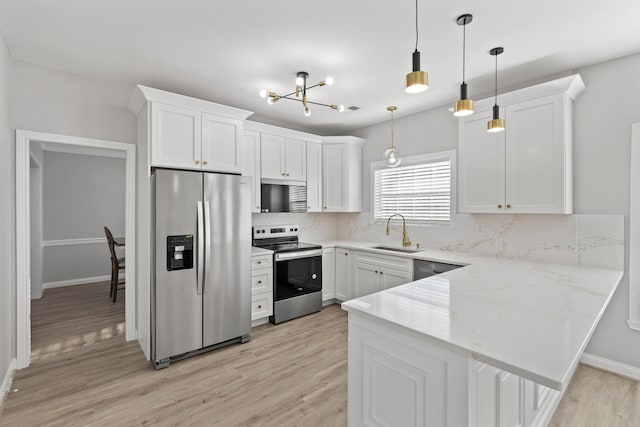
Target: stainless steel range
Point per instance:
(297, 275)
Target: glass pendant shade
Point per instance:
(391, 157)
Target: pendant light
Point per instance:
(417, 81)
(464, 106)
(391, 157)
(497, 124)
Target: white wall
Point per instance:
(81, 195)
(48, 100)
(602, 121)
(7, 221)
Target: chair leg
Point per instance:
(114, 280)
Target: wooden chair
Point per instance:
(117, 264)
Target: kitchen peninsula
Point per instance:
(493, 343)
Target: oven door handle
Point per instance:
(298, 254)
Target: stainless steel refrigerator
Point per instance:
(201, 282)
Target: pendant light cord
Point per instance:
(496, 82)
(464, 49)
(416, 25)
(392, 144)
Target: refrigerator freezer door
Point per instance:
(227, 287)
(177, 325)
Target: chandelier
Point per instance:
(300, 93)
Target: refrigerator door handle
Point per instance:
(200, 237)
(207, 246)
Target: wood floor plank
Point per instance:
(83, 373)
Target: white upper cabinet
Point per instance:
(190, 133)
(342, 174)
(250, 162)
(272, 156)
(221, 143)
(528, 167)
(314, 177)
(283, 158)
(295, 159)
(175, 136)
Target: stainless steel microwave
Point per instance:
(283, 197)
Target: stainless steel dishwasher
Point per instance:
(424, 268)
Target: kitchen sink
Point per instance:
(397, 249)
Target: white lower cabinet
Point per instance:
(397, 378)
(328, 274)
(374, 272)
(343, 274)
(261, 286)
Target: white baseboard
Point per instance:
(81, 281)
(634, 324)
(612, 366)
(7, 380)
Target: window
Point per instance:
(420, 189)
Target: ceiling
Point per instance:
(226, 51)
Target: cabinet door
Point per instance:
(272, 156)
(343, 274)
(175, 137)
(538, 170)
(366, 279)
(509, 413)
(481, 180)
(391, 278)
(250, 162)
(328, 274)
(334, 175)
(221, 143)
(314, 177)
(295, 159)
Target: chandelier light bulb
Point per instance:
(341, 108)
(263, 93)
(270, 101)
(299, 81)
(329, 80)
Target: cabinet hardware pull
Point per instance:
(508, 206)
(257, 206)
(197, 162)
(259, 262)
(205, 163)
(287, 174)
(499, 206)
(376, 271)
(259, 306)
(259, 282)
(382, 272)
(325, 207)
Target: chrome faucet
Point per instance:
(405, 240)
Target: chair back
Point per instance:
(111, 243)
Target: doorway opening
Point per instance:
(29, 168)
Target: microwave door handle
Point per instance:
(207, 246)
(200, 237)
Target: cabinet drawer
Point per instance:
(261, 281)
(261, 261)
(261, 305)
(389, 261)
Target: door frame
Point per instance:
(23, 262)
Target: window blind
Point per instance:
(420, 192)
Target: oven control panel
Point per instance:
(267, 231)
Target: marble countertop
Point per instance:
(529, 318)
(260, 251)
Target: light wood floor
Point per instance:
(83, 373)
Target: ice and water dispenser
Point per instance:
(180, 252)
